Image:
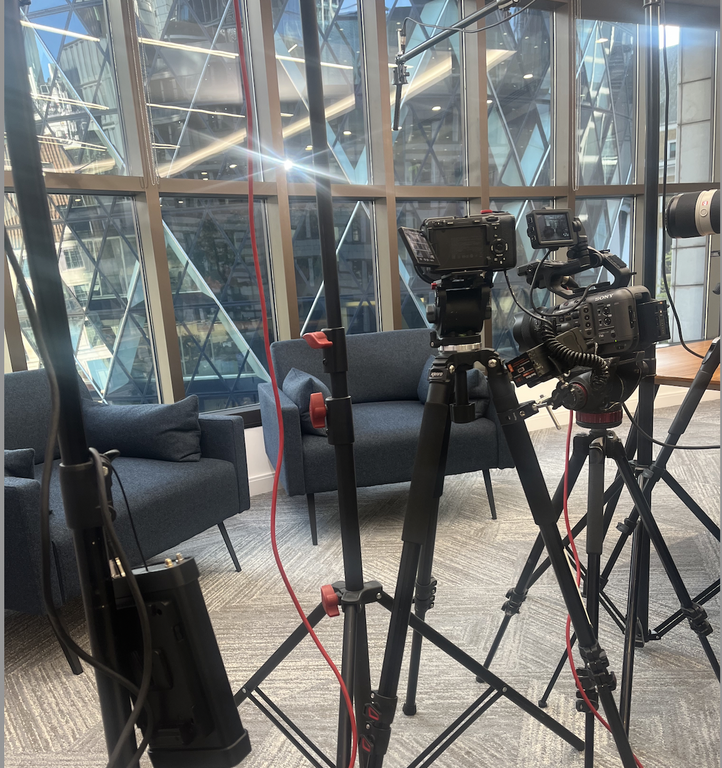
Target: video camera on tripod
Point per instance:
(595, 340)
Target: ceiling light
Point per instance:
(528, 76)
(180, 202)
(603, 40)
(489, 101)
(331, 64)
(309, 147)
(295, 45)
(288, 164)
(347, 133)
(436, 108)
(233, 165)
(175, 107)
(204, 173)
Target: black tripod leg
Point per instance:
(419, 512)
(696, 615)
(540, 504)
(425, 583)
(691, 504)
(555, 675)
(348, 672)
(517, 594)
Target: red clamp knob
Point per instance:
(329, 600)
(317, 410)
(317, 340)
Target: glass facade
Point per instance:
(356, 266)
(217, 310)
(189, 54)
(183, 270)
(72, 81)
(690, 66)
(343, 89)
(519, 98)
(98, 257)
(606, 87)
(429, 147)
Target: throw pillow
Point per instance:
(149, 431)
(299, 386)
(20, 463)
(476, 383)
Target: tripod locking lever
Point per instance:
(378, 716)
(317, 340)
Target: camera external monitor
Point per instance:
(551, 228)
(454, 245)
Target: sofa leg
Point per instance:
(231, 551)
(489, 492)
(312, 517)
(71, 656)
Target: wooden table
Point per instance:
(677, 368)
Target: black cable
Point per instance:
(664, 186)
(516, 301)
(468, 31)
(53, 613)
(668, 445)
(130, 516)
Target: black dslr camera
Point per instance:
(462, 244)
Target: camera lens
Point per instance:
(693, 214)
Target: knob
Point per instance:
(432, 313)
(329, 599)
(317, 410)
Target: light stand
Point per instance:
(77, 473)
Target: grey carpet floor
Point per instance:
(52, 717)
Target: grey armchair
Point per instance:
(170, 501)
(383, 378)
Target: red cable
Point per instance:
(279, 414)
(578, 567)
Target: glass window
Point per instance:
(606, 87)
(97, 245)
(218, 312)
(519, 66)
(356, 258)
(72, 81)
(429, 147)
(691, 64)
(503, 308)
(189, 52)
(343, 89)
(415, 292)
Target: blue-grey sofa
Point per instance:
(170, 501)
(383, 379)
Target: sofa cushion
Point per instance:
(149, 431)
(477, 386)
(20, 463)
(299, 387)
(381, 366)
(27, 411)
(170, 502)
(386, 437)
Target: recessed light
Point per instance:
(206, 179)
(204, 173)
(528, 76)
(603, 40)
(180, 202)
(436, 108)
(347, 133)
(233, 165)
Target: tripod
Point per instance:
(517, 594)
(446, 376)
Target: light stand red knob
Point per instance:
(317, 410)
(329, 600)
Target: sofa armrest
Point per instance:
(222, 437)
(292, 476)
(23, 567)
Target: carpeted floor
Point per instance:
(52, 718)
